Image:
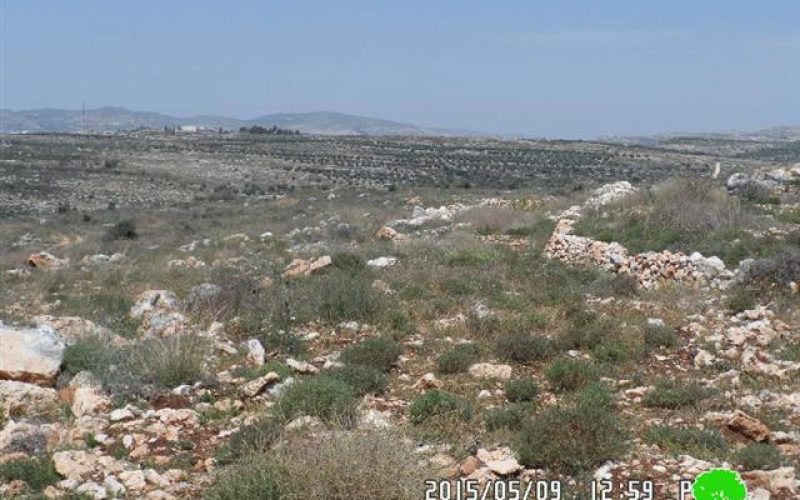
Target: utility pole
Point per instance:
(83, 117)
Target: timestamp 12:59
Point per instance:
(632, 489)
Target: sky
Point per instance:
(558, 69)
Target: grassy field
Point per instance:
(471, 343)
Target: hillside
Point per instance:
(111, 119)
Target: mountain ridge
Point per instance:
(113, 118)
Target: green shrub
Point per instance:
(624, 285)
(619, 349)
(122, 230)
(789, 216)
(282, 341)
(322, 396)
(348, 261)
(253, 438)
(510, 417)
(525, 389)
(344, 296)
(37, 472)
(693, 207)
(522, 348)
(567, 374)
(93, 353)
(387, 468)
(458, 360)
(108, 309)
(379, 353)
(782, 268)
(673, 395)
(656, 336)
(168, 361)
(469, 258)
(741, 298)
(399, 321)
(587, 330)
(758, 456)
(255, 478)
(574, 437)
(699, 443)
(595, 394)
(362, 379)
(436, 403)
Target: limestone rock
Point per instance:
(304, 267)
(748, 426)
(20, 398)
(386, 233)
(488, 370)
(301, 366)
(133, 479)
(256, 355)
(47, 261)
(778, 480)
(500, 461)
(74, 464)
(26, 437)
(254, 387)
(70, 328)
(154, 301)
(89, 401)
(30, 354)
(382, 262)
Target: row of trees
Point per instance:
(274, 130)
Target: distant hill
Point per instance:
(111, 119)
(785, 133)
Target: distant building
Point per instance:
(187, 129)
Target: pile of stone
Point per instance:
(421, 215)
(744, 339)
(610, 193)
(649, 268)
(773, 180)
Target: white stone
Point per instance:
(488, 370)
(382, 262)
(301, 366)
(256, 355)
(30, 354)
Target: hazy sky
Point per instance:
(544, 68)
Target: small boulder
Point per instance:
(500, 461)
(74, 464)
(382, 262)
(30, 354)
(748, 426)
(256, 355)
(488, 370)
(301, 366)
(255, 387)
(20, 398)
(47, 261)
(89, 401)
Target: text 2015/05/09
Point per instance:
(471, 489)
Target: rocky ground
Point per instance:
(352, 343)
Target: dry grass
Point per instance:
(351, 466)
